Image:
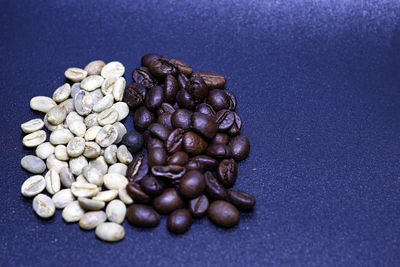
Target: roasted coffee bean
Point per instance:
(165, 120)
(194, 165)
(178, 158)
(223, 213)
(182, 118)
(179, 221)
(227, 172)
(206, 163)
(133, 141)
(157, 156)
(143, 118)
(197, 88)
(206, 109)
(232, 100)
(182, 80)
(236, 126)
(170, 172)
(168, 201)
(165, 108)
(219, 151)
(240, 147)
(185, 100)
(193, 143)
(142, 75)
(203, 124)
(225, 119)
(159, 131)
(146, 59)
(181, 66)
(198, 206)
(134, 95)
(213, 80)
(142, 216)
(170, 88)
(242, 200)
(154, 143)
(138, 168)
(218, 99)
(214, 189)
(136, 193)
(151, 185)
(154, 97)
(174, 142)
(161, 67)
(220, 138)
(192, 184)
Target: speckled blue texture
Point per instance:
(318, 85)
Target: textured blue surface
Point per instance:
(318, 84)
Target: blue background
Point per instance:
(318, 85)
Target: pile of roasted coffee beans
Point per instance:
(187, 122)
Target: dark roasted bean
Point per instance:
(170, 172)
(232, 100)
(154, 98)
(165, 120)
(154, 143)
(151, 185)
(142, 216)
(174, 142)
(220, 138)
(134, 95)
(206, 109)
(159, 131)
(181, 66)
(242, 200)
(133, 141)
(236, 126)
(198, 206)
(142, 75)
(240, 147)
(166, 108)
(178, 158)
(182, 80)
(203, 124)
(193, 144)
(219, 151)
(214, 189)
(207, 163)
(179, 221)
(146, 59)
(223, 213)
(143, 118)
(138, 168)
(168, 201)
(197, 88)
(213, 80)
(170, 88)
(194, 165)
(225, 119)
(157, 156)
(136, 193)
(185, 100)
(161, 67)
(227, 172)
(218, 99)
(182, 118)
(192, 184)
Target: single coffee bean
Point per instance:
(136, 193)
(220, 138)
(110, 154)
(232, 100)
(193, 143)
(100, 164)
(75, 74)
(219, 151)
(154, 143)
(44, 150)
(73, 212)
(36, 138)
(113, 69)
(214, 189)
(182, 118)
(133, 141)
(161, 67)
(118, 168)
(179, 221)
(62, 198)
(124, 196)
(194, 165)
(114, 181)
(91, 83)
(134, 95)
(170, 172)
(95, 67)
(33, 164)
(43, 206)
(91, 204)
(110, 232)
(206, 163)
(142, 76)
(138, 168)
(116, 211)
(206, 109)
(165, 120)
(107, 136)
(227, 172)
(192, 184)
(123, 155)
(165, 108)
(225, 119)
(181, 66)
(146, 59)
(143, 118)
(242, 200)
(32, 126)
(170, 88)
(53, 183)
(223, 213)
(107, 195)
(42, 103)
(159, 131)
(182, 80)
(142, 216)
(197, 88)
(203, 124)
(174, 142)
(66, 177)
(178, 158)
(123, 110)
(240, 147)
(151, 185)
(157, 156)
(213, 80)
(185, 100)
(168, 201)
(33, 186)
(154, 98)
(198, 206)
(91, 219)
(236, 126)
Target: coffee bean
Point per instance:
(168, 201)
(170, 172)
(192, 184)
(136, 193)
(113, 69)
(193, 143)
(198, 206)
(236, 126)
(213, 80)
(157, 156)
(154, 143)
(134, 95)
(185, 99)
(42, 103)
(206, 163)
(143, 118)
(115, 181)
(240, 147)
(181, 66)
(220, 138)
(182, 118)
(170, 88)
(110, 232)
(165, 120)
(33, 186)
(197, 88)
(73, 212)
(43, 206)
(223, 213)
(174, 142)
(182, 80)
(133, 141)
(32, 126)
(242, 200)
(92, 219)
(219, 151)
(142, 76)
(179, 221)
(154, 98)
(232, 100)
(116, 211)
(206, 109)
(151, 185)
(160, 67)
(159, 131)
(214, 189)
(95, 67)
(218, 99)
(91, 204)
(142, 216)
(225, 119)
(178, 158)
(33, 164)
(227, 172)
(138, 168)
(203, 124)
(146, 59)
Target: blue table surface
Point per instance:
(318, 87)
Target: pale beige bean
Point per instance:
(75, 88)
(92, 132)
(62, 198)
(115, 181)
(80, 179)
(84, 190)
(91, 219)
(116, 211)
(68, 105)
(95, 67)
(75, 74)
(96, 95)
(53, 183)
(104, 103)
(32, 125)
(60, 137)
(118, 168)
(76, 146)
(43, 206)
(108, 116)
(107, 136)
(113, 69)
(100, 164)
(123, 110)
(83, 102)
(110, 154)
(124, 196)
(44, 150)
(92, 175)
(72, 212)
(77, 164)
(61, 153)
(121, 131)
(48, 125)
(106, 195)
(56, 115)
(62, 93)
(66, 177)
(110, 232)
(42, 103)
(91, 120)
(92, 150)
(33, 164)
(73, 116)
(36, 138)
(108, 86)
(91, 204)
(53, 163)
(33, 186)
(92, 82)
(77, 127)
(123, 155)
(119, 88)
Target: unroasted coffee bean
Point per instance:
(182, 118)
(197, 88)
(219, 151)
(142, 216)
(159, 131)
(133, 141)
(168, 201)
(181, 66)
(220, 138)
(227, 172)
(154, 98)
(174, 142)
(214, 189)
(146, 59)
(138, 168)
(223, 213)
(143, 118)
(179, 221)
(242, 200)
(134, 95)
(151, 185)
(157, 156)
(193, 143)
(178, 158)
(110, 232)
(206, 109)
(171, 172)
(192, 184)
(170, 88)
(218, 99)
(198, 206)
(136, 193)
(142, 76)
(203, 124)
(161, 67)
(185, 100)
(213, 80)
(240, 147)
